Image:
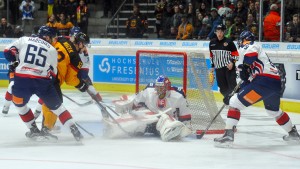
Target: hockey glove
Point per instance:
(12, 66)
(82, 86)
(244, 71)
(83, 74)
(10, 54)
(226, 99)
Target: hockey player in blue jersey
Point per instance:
(262, 82)
(36, 74)
(8, 94)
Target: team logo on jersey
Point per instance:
(161, 103)
(225, 44)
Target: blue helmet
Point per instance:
(74, 30)
(47, 31)
(162, 84)
(246, 35)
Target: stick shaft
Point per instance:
(219, 112)
(89, 133)
(79, 104)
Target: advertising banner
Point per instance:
(3, 67)
(114, 69)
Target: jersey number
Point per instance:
(34, 55)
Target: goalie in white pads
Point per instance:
(262, 82)
(159, 109)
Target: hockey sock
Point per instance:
(285, 122)
(233, 117)
(8, 96)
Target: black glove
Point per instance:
(82, 86)
(12, 66)
(244, 72)
(15, 64)
(227, 98)
(83, 74)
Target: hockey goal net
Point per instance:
(186, 70)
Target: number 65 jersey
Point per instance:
(37, 58)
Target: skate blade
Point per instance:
(38, 139)
(223, 145)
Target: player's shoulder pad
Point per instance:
(178, 90)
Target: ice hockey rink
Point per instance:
(258, 144)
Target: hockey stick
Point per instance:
(199, 136)
(79, 104)
(106, 114)
(89, 133)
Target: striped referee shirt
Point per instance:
(222, 52)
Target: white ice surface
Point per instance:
(258, 144)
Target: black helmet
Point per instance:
(221, 27)
(46, 31)
(81, 37)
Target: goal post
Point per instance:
(186, 70)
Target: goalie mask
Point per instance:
(162, 86)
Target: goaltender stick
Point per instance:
(159, 109)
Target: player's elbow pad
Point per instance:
(9, 55)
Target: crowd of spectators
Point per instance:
(175, 19)
(61, 14)
(237, 15)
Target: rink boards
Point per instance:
(113, 64)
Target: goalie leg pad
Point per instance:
(134, 125)
(170, 128)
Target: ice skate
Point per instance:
(35, 134)
(46, 133)
(226, 140)
(5, 110)
(76, 133)
(293, 135)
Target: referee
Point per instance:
(223, 54)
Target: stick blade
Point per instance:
(201, 133)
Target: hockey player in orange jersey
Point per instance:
(81, 41)
(69, 64)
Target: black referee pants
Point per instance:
(226, 80)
